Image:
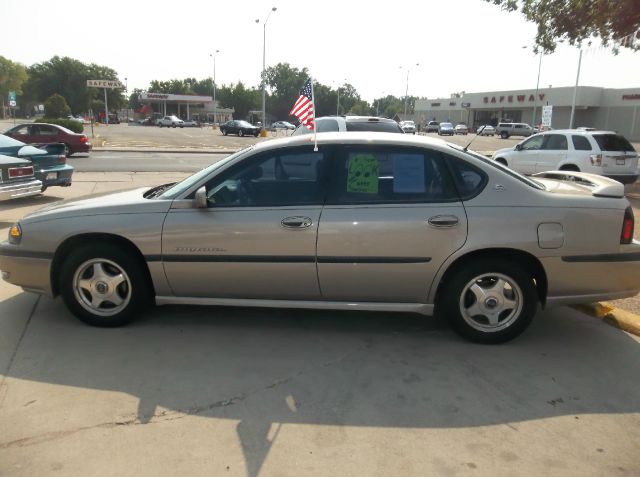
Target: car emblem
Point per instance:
(499, 188)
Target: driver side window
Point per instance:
(271, 179)
(533, 144)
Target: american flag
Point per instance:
(303, 109)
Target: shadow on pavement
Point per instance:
(263, 367)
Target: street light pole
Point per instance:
(575, 92)
(264, 49)
(406, 91)
(126, 93)
(215, 105)
(535, 98)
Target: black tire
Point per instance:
(570, 167)
(67, 150)
(502, 161)
(133, 290)
(256, 134)
(43, 188)
(504, 135)
(224, 132)
(518, 290)
(240, 132)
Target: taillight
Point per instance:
(596, 159)
(20, 172)
(62, 159)
(627, 226)
(83, 139)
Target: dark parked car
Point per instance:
(42, 133)
(241, 128)
(17, 179)
(49, 161)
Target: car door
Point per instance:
(44, 133)
(553, 152)
(257, 237)
(524, 157)
(391, 219)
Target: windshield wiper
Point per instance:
(156, 191)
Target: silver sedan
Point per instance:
(368, 221)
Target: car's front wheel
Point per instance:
(489, 301)
(240, 133)
(504, 135)
(103, 285)
(224, 132)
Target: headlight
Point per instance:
(15, 234)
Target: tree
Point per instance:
(68, 77)
(56, 106)
(12, 76)
(134, 99)
(238, 97)
(284, 83)
(578, 20)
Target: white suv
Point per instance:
(598, 152)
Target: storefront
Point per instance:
(611, 109)
(186, 106)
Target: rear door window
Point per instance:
(613, 142)
(581, 143)
(379, 175)
(555, 142)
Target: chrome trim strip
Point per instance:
(421, 308)
(281, 259)
(604, 257)
(374, 259)
(9, 252)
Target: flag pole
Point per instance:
(315, 128)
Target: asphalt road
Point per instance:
(142, 161)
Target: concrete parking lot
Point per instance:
(222, 391)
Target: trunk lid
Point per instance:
(581, 183)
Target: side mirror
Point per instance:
(200, 200)
(518, 147)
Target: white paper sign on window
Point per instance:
(408, 174)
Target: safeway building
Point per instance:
(602, 108)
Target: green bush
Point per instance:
(55, 106)
(75, 126)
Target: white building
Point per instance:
(602, 108)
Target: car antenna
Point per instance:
(479, 131)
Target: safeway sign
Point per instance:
(104, 84)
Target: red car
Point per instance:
(43, 133)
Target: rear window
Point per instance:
(375, 126)
(613, 142)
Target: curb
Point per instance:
(616, 317)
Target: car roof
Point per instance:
(359, 119)
(379, 138)
(579, 131)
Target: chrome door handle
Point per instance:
(442, 221)
(296, 222)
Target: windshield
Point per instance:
(497, 165)
(181, 187)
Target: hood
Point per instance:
(501, 151)
(122, 202)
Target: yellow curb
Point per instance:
(622, 319)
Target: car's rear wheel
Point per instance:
(67, 150)
(504, 135)
(570, 167)
(489, 300)
(103, 285)
(224, 132)
(240, 132)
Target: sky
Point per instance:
(461, 45)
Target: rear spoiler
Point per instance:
(600, 186)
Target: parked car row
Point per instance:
(28, 170)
